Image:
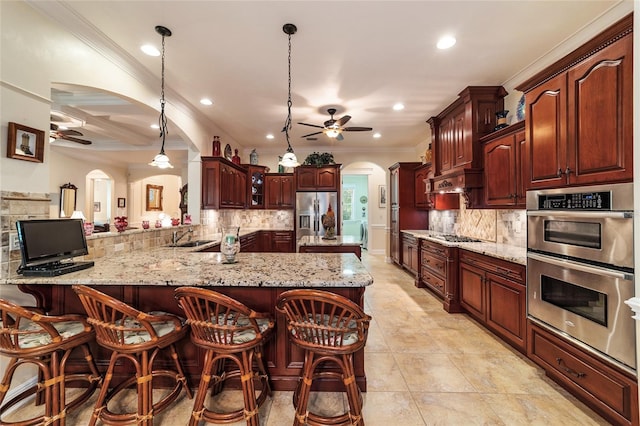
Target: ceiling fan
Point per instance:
(334, 128)
(67, 135)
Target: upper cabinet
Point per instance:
(455, 140)
(579, 114)
(313, 178)
(504, 181)
(224, 184)
(256, 186)
(423, 175)
(280, 191)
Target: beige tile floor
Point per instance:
(425, 367)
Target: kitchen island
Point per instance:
(147, 279)
(337, 244)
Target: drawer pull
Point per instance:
(504, 270)
(567, 370)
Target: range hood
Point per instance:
(467, 182)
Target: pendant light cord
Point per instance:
(162, 121)
(287, 122)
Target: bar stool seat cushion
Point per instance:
(244, 331)
(327, 330)
(138, 334)
(31, 335)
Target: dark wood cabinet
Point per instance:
(579, 123)
(280, 191)
(504, 181)
(224, 184)
(438, 271)
(493, 291)
(256, 183)
(603, 387)
(281, 241)
(410, 250)
(455, 136)
(312, 178)
(403, 212)
(423, 175)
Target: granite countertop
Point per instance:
(506, 252)
(182, 266)
(340, 240)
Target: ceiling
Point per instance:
(360, 57)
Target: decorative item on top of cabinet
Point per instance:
(403, 211)
(579, 114)
(224, 184)
(314, 178)
(455, 133)
(280, 191)
(504, 167)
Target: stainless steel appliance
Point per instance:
(580, 267)
(310, 206)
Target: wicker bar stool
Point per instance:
(138, 337)
(330, 328)
(228, 330)
(29, 337)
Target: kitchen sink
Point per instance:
(194, 243)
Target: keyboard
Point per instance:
(55, 270)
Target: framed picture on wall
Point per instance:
(382, 196)
(25, 143)
(96, 207)
(122, 203)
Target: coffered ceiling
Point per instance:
(360, 57)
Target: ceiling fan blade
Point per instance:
(339, 137)
(53, 126)
(311, 134)
(343, 120)
(312, 125)
(70, 132)
(357, 129)
(72, 139)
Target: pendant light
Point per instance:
(289, 158)
(161, 160)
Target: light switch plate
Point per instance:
(14, 242)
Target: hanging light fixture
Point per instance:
(161, 160)
(289, 158)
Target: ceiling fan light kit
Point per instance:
(289, 158)
(161, 160)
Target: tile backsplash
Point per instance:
(501, 226)
(212, 220)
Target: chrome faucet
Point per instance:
(175, 238)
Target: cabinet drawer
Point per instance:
(510, 270)
(569, 365)
(434, 264)
(433, 281)
(433, 248)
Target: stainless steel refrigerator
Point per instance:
(310, 206)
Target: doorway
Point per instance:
(99, 197)
(355, 207)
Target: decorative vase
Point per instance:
(501, 119)
(216, 146)
(187, 219)
(253, 157)
(236, 158)
(230, 244)
(121, 223)
(175, 221)
(145, 224)
(158, 223)
(88, 228)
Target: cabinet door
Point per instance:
(210, 185)
(600, 105)
(423, 187)
(272, 189)
(226, 186)
(256, 184)
(445, 145)
(288, 192)
(282, 242)
(521, 172)
(306, 179)
(546, 133)
(393, 186)
(240, 196)
(506, 309)
(472, 291)
(395, 237)
(327, 179)
(500, 172)
(461, 141)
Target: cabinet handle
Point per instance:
(504, 270)
(567, 171)
(559, 172)
(568, 370)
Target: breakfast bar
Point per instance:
(147, 280)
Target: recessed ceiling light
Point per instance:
(270, 136)
(154, 126)
(446, 42)
(206, 101)
(398, 107)
(150, 50)
(377, 135)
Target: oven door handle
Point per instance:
(581, 214)
(563, 263)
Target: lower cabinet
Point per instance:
(410, 259)
(610, 392)
(493, 291)
(264, 241)
(438, 271)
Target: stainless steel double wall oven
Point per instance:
(580, 267)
